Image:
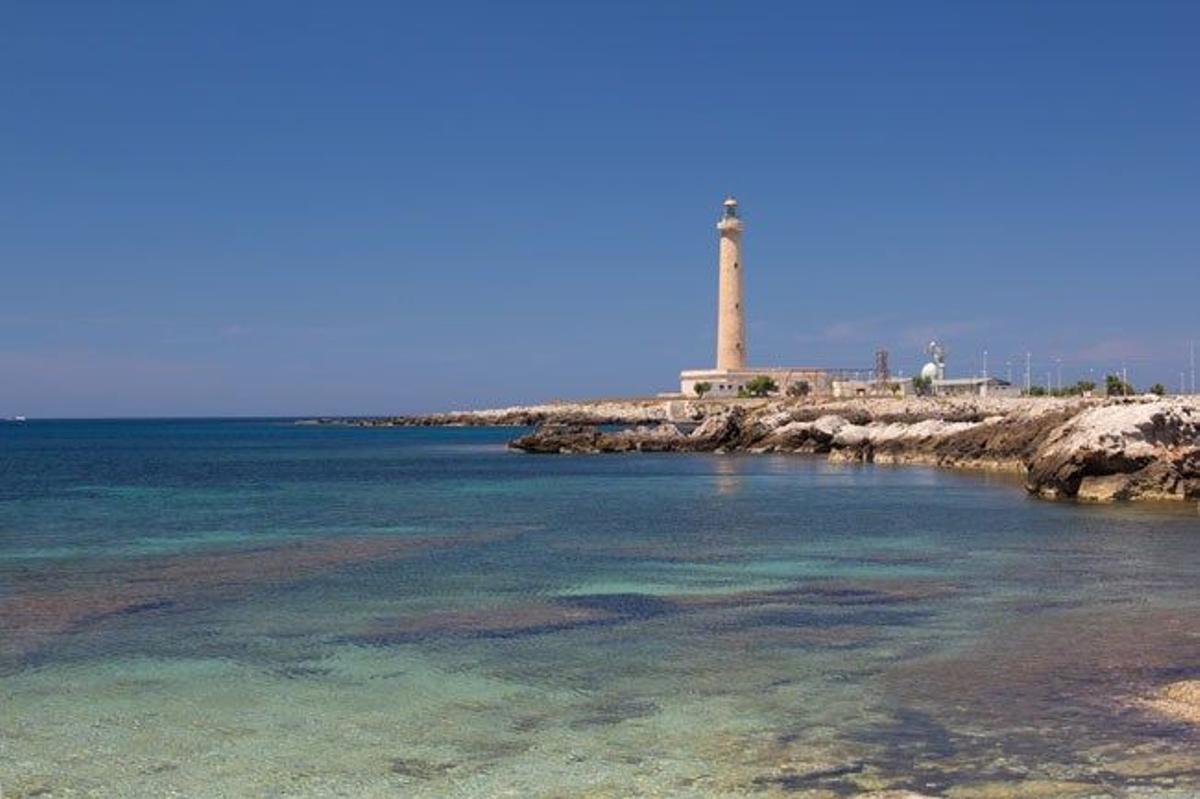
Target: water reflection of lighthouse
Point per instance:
(729, 476)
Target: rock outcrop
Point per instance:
(1089, 449)
(1122, 451)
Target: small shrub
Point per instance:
(1114, 386)
(800, 388)
(761, 386)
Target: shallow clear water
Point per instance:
(257, 608)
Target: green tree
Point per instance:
(1114, 386)
(1084, 387)
(761, 386)
(1158, 388)
(702, 388)
(1037, 391)
(800, 388)
(922, 386)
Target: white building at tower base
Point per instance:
(731, 382)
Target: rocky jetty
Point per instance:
(1099, 450)
(592, 413)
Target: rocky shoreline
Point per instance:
(1140, 448)
(600, 412)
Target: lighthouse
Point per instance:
(731, 314)
(732, 376)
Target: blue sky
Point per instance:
(292, 208)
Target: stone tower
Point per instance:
(731, 315)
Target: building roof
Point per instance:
(971, 381)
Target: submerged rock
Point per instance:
(420, 769)
(1179, 701)
(36, 610)
(1024, 789)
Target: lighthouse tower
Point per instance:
(732, 377)
(731, 314)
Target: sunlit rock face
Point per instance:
(1087, 449)
(1122, 451)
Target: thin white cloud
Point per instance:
(846, 330)
(945, 332)
(1117, 349)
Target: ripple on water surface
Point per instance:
(372, 613)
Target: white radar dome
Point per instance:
(929, 371)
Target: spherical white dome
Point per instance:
(929, 371)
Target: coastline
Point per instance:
(1091, 449)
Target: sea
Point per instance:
(263, 608)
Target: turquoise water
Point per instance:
(257, 608)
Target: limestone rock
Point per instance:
(851, 436)
(791, 432)
(1121, 451)
(1099, 450)
(719, 430)
(644, 438)
(553, 438)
